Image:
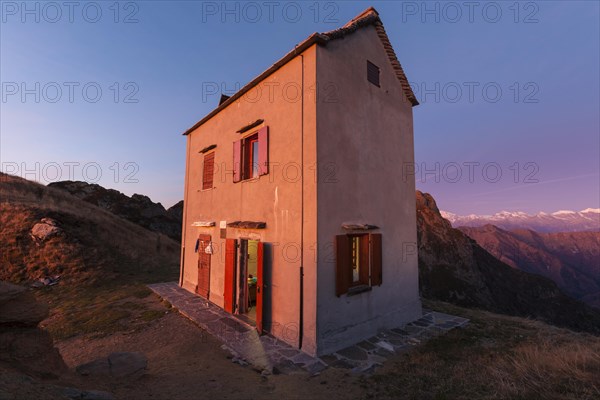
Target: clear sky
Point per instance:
(510, 92)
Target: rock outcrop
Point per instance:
(47, 235)
(138, 208)
(19, 308)
(454, 268)
(24, 346)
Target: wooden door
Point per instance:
(229, 276)
(259, 286)
(203, 287)
(242, 278)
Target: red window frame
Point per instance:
(250, 169)
(251, 156)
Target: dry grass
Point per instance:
(95, 246)
(103, 260)
(495, 357)
(99, 311)
(550, 367)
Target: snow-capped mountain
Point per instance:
(559, 221)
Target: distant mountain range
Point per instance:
(560, 221)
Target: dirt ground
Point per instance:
(494, 357)
(186, 363)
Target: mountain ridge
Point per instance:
(138, 208)
(558, 221)
(570, 259)
(455, 269)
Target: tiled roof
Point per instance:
(368, 17)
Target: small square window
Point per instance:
(373, 73)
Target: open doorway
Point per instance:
(244, 281)
(247, 279)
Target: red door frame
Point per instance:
(259, 286)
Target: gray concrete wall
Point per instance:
(278, 198)
(364, 135)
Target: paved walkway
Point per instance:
(271, 355)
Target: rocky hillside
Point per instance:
(46, 232)
(570, 259)
(138, 208)
(454, 268)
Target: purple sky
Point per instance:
(509, 93)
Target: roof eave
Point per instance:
(315, 38)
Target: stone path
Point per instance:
(270, 355)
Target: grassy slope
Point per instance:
(103, 260)
(495, 357)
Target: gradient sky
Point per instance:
(544, 57)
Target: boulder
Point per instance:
(99, 367)
(23, 345)
(127, 364)
(31, 351)
(9, 291)
(45, 229)
(18, 307)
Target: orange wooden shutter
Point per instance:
(237, 162)
(263, 151)
(343, 276)
(376, 259)
(203, 287)
(230, 258)
(364, 260)
(208, 171)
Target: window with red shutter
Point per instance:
(208, 171)
(251, 155)
(358, 262)
(372, 73)
(263, 151)
(376, 259)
